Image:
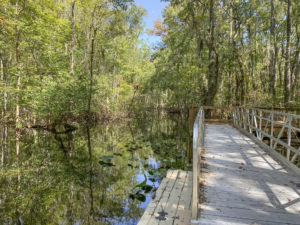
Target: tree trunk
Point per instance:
(213, 74)
(18, 125)
(91, 69)
(250, 36)
(296, 68)
(273, 54)
(287, 72)
(73, 39)
(4, 110)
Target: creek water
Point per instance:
(105, 174)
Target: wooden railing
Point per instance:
(198, 144)
(278, 132)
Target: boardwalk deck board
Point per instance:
(184, 213)
(244, 185)
(153, 204)
(173, 199)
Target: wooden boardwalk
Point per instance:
(172, 203)
(243, 184)
(240, 184)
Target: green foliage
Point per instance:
(235, 62)
(36, 46)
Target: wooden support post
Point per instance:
(248, 120)
(195, 185)
(288, 153)
(198, 143)
(255, 122)
(272, 128)
(244, 121)
(241, 117)
(260, 120)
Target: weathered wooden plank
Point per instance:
(153, 204)
(184, 212)
(174, 198)
(163, 200)
(249, 214)
(225, 220)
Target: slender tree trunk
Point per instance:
(251, 56)
(296, 68)
(242, 72)
(4, 110)
(18, 86)
(18, 133)
(287, 71)
(280, 66)
(213, 74)
(73, 38)
(91, 69)
(231, 87)
(237, 89)
(273, 54)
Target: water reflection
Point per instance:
(95, 175)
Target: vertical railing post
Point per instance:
(198, 144)
(240, 118)
(260, 121)
(272, 128)
(195, 169)
(288, 153)
(255, 122)
(243, 116)
(248, 120)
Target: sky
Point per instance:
(154, 10)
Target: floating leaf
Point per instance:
(147, 188)
(152, 180)
(107, 158)
(141, 197)
(132, 196)
(142, 184)
(106, 164)
(151, 172)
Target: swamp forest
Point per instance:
(93, 116)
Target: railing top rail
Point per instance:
(273, 111)
(198, 142)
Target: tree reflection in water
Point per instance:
(94, 175)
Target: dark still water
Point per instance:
(106, 174)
